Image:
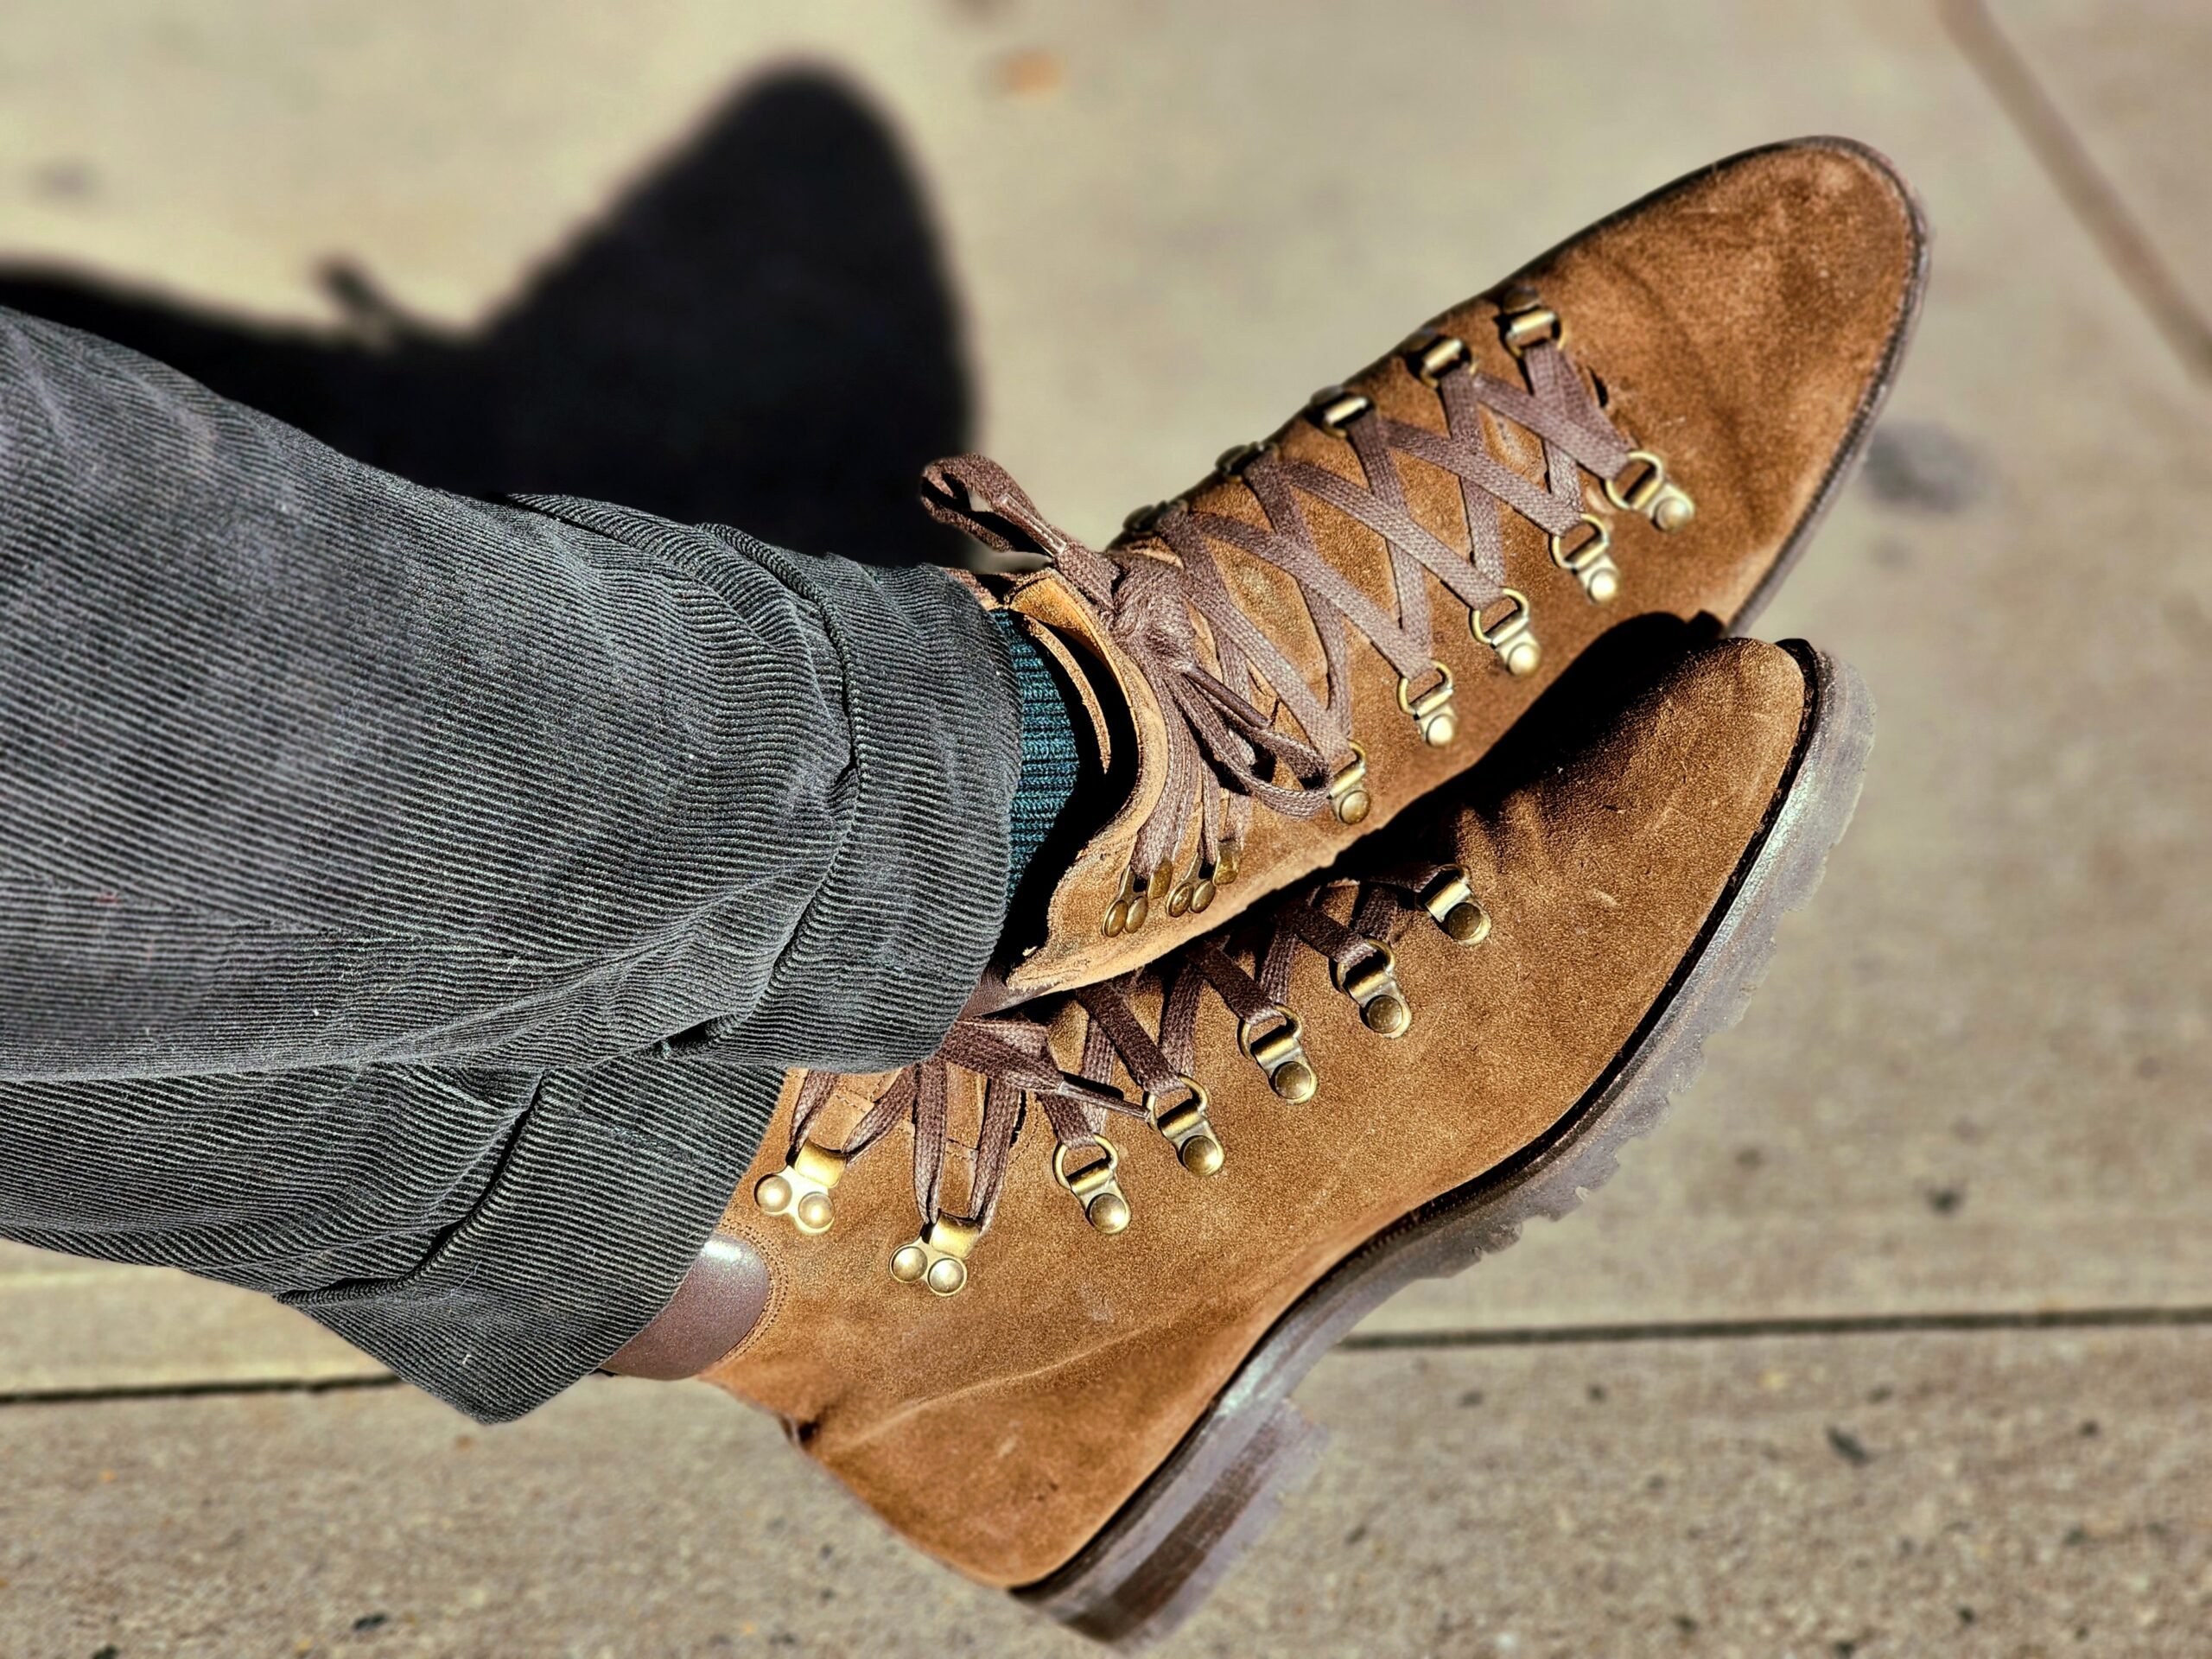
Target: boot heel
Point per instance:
(1180, 1536)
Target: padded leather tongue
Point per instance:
(714, 1308)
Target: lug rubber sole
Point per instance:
(1184, 1530)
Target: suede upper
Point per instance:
(999, 1428)
(1741, 323)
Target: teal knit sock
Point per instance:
(1049, 755)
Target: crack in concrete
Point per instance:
(2081, 183)
(1841, 1325)
(214, 1388)
(2028, 1319)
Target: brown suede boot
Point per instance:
(1338, 620)
(1090, 1404)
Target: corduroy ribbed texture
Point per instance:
(350, 832)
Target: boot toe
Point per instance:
(1744, 323)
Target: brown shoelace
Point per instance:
(1226, 751)
(1011, 1058)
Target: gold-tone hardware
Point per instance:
(1523, 320)
(1372, 983)
(1235, 458)
(1513, 638)
(1639, 496)
(937, 1257)
(1193, 894)
(1348, 790)
(1332, 408)
(1432, 710)
(801, 1189)
(1231, 861)
(1653, 494)
(1130, 906)
(1675, 509)
(1157, 884)
(1531, 328)
(1145, 518)
(1094, 1187)
(1431, 354)
(1279, 1053)
(1452, 901)
(1198, 1148)
(1589, 563)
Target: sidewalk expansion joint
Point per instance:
(216, 1388)
(2081, 183)
(1866, 1324)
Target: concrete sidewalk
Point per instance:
(1895, 1341)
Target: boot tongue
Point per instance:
(1078, 759)
(1089, 692)
(992, 996)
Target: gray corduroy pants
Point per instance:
(363, 847)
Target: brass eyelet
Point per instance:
(1523, 321)
(1431, 354)
(1235, 458)
(1451, 900)
(1513, 638)
(1348, 790)
(1372, 984)
(1185, 1124)
(1279, 1052)
(1093, 1186)
(1653, 494)
(1133, 903)
(1144, 520)
(1193, 893)
(1333, 408)
(1430, 712)
(938, 1258)
(1591, 563)
(801, 1189)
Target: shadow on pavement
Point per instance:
(760, 333)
